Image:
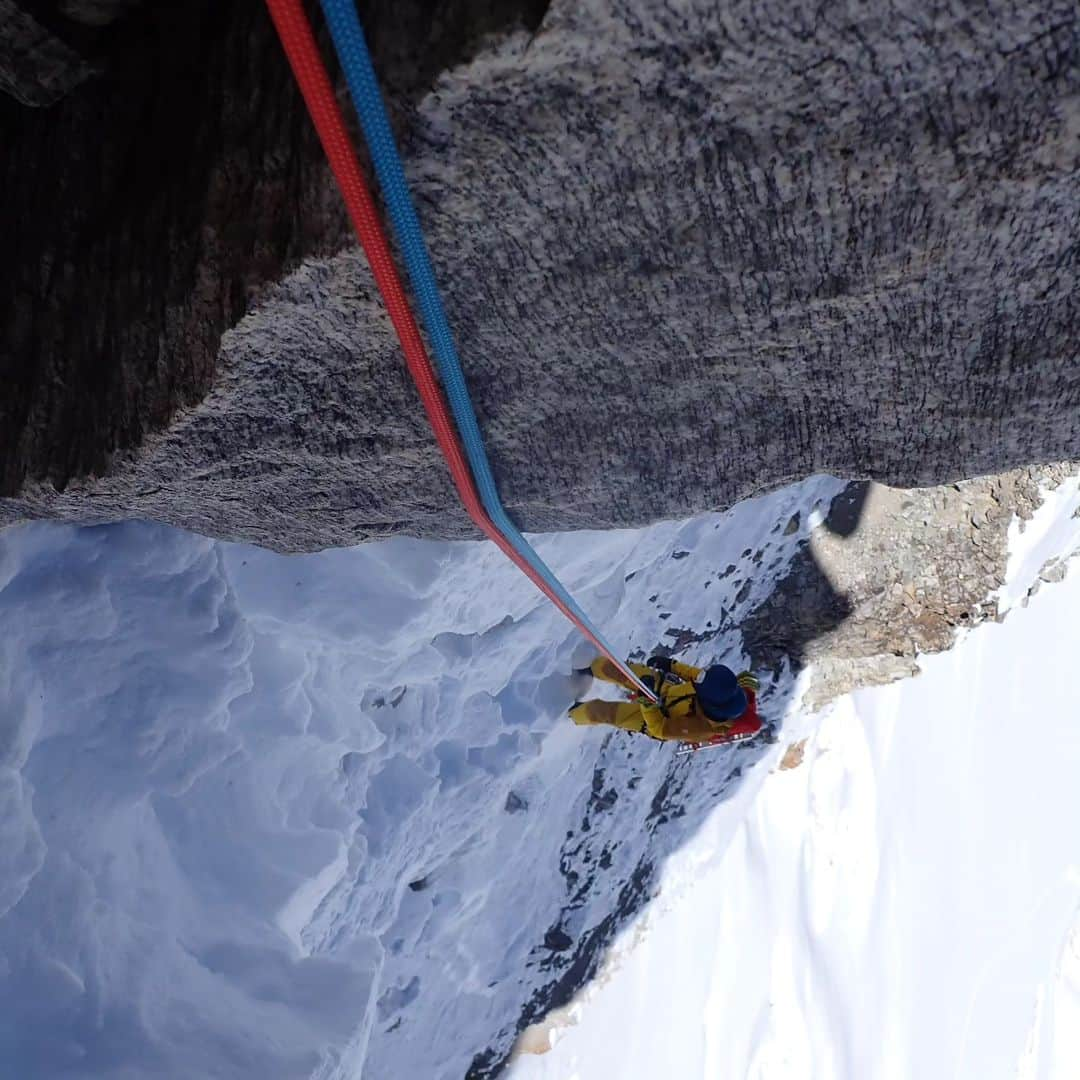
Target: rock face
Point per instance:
(690, 251)
(890, 575)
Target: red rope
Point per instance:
(295, 32)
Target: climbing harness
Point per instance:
(471, 470)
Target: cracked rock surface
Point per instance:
(890, 574)
(690, 251)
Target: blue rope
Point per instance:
(352, 50)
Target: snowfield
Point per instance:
(324, 816)
(905, 902)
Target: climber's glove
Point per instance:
(748, 681)
(660, 663)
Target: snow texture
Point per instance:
(905, 902)
(1036, 546)
(323, 816)
(293, 816)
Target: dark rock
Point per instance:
(682, 637)
(607, 800)
(802, 235)
(557, 940)
(50, 47)
(37, 67)
(515, 803)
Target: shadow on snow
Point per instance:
(801, 607)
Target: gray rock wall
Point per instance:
(691, 251)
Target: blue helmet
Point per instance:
(720, 695)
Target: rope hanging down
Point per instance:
(303, 55)
(352, 50)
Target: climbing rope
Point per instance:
(352, 50)
(485, 507)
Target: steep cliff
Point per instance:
(691, 251)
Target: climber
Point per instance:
(696, 705)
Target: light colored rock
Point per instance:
(844, 607)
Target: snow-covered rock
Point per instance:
(690, 252)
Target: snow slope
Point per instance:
(904, 903)
(323, 816)
(281, 817)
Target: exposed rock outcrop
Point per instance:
(690, 252)
(892, 574)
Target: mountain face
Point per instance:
(690, 252)
(324, 816)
